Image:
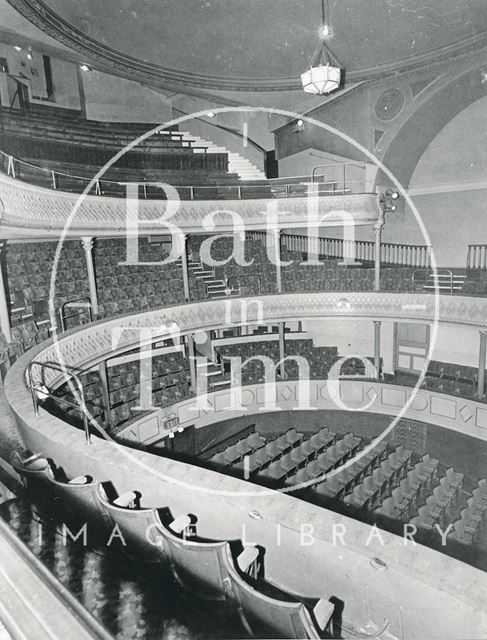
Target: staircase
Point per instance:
(236, 163)
(216, 379)
(214, 288)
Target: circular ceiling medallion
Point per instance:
(390, 104)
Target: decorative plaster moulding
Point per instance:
(28, 208)
(85, 347)
(107, 59)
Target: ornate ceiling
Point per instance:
(258, 44)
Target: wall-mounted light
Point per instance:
(29, 53)
(299, 126)
(17, 48)
(211, 114)
(389, 200)
(85, 67)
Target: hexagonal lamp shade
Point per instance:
(322, 79)
(323, 74)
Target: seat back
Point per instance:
(198, 566)
(265, 616)
(138, 529)
(388, 506)
(75, 500)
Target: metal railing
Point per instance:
(238, 282)
(79, 303)
(427, 274)
(296, 187)
(44, 392)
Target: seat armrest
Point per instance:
(180, 524)
(323, 611)
(247, 558)
(126, 499)
(79, 480)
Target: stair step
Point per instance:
(220, 383)
(211, 374)
(216, 285)
(442, 287)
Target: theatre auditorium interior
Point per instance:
(243, 313)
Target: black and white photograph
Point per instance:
(243, 319)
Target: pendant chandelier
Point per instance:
(324, 73)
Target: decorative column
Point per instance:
(274, 250)
(4, 311)
(481, 376)
(282, 350)
(379, 225)
(184, 263)
(88, 247)
(105, 393)
(377, 324)
(192, 360)
(81, 91)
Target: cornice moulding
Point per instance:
(110, 60)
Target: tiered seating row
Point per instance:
(170, 384)
(320, 359)
(472, 523)
(45, 136)
(30, 267)
(126, 289)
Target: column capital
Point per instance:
(87, 243)
(377, 323)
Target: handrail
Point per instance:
(86, 303)
(242, 190)
(249, 275)
(429, 272)
(46, 392)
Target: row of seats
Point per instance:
(380, 482)
(211, 570)
(170, 383)
(319, 359)
(472, 523)
(56, 124)
(367, 479)
(241, 457)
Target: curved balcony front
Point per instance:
(255, 512)
(32, 211)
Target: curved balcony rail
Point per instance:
(338, 183)
(82, 348)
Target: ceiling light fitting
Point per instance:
(324, 73)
